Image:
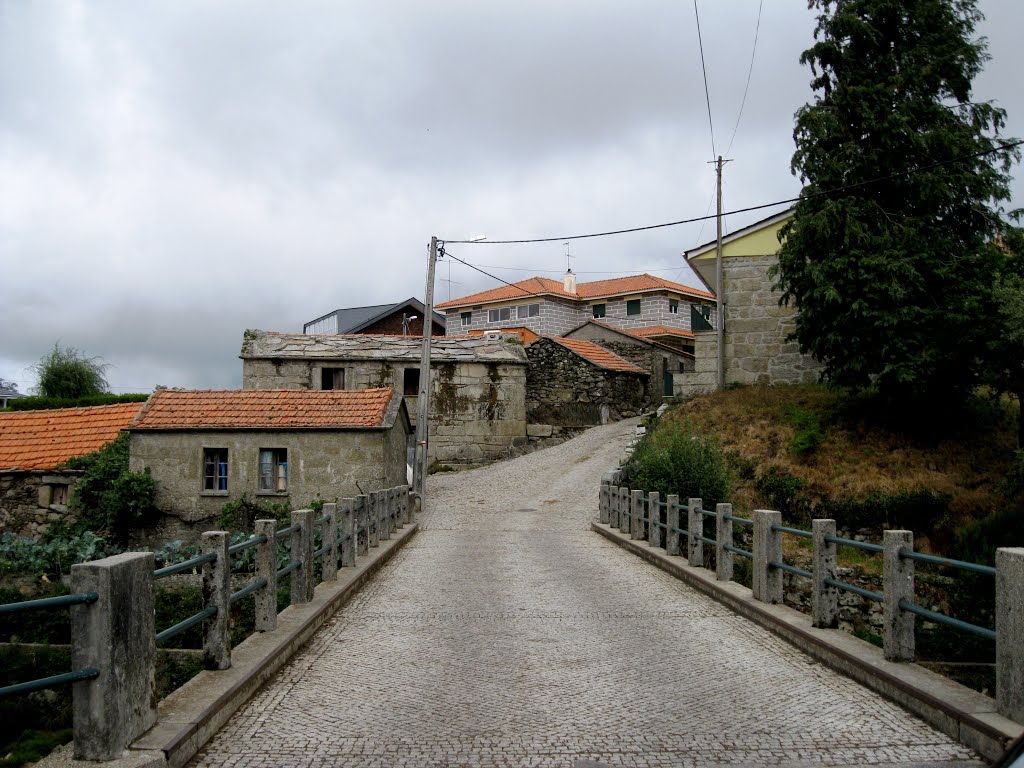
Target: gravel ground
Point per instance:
(508, 634)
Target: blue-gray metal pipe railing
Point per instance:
(707, 513)
(89, 673)
(50, 602)
(191, 621)
(791, 569)
(246, 591)
(878, 597)
(793, 531)
(866, 546)
(740, 520)
(706, 540)
(187, 565)
(941, 618)
(247, 544)
(288, 568)
(961, 564)
(290, 529)
(741, 552)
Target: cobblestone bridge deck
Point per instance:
(508, 634)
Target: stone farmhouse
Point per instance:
(655, 308)
(756, 328)
(204, 448)
(34, 446)
(402, 318)
(478, 399)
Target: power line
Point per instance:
(775, 204)
(579, 271)
(703, 68)
(750, 71)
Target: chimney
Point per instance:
(569, 282)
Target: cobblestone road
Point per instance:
(508, 634)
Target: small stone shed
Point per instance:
(576, 382)
(661, 361)
(204, 448)
(756, 329)
(35, 445)
(478, 384)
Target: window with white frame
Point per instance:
(467, 318)
(215, 469)
(673, 306)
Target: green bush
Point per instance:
(917, 510)
(674, 459)
(242, 514)
(807, 429)
(50, 557)
(978, 540)
(40, 403)
(783, 491)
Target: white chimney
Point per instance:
(569, 282)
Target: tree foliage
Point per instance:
(891, 279)
(66, 373)
(1004, 356)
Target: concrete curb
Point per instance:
(959, 712)
(191, 715)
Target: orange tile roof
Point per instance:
(543, 286)
(526, 335)
(658, 330)
(598, 355)
(46, 439)
(264, 409)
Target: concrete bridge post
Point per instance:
(396, 508)
(767, 579)
(695, 525)
(406, 506)
(348, 532)
(116, 636)
(602, 503)
(897, 584)
(825, 598)
(302, 550)
(653, 518)
(384, 514)
(723, 538)
(1010, 632)
(266, 568)
(216, 594)
(329, 565)
(625, 509)
(362, 518)
(373, 519)
(614, 493)
(674, 523)
(636, 526)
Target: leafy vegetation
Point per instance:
(892, 281)
(241, 514)
(50, 557)
(66, 373)
(39, 403)
(675, 458)
(108, 496)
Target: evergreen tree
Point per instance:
(890, 279)
(66, 373)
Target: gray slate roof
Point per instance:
(354, 319)
(470, 349)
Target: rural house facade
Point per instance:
(478, 384)
(205, 448)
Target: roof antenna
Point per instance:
(568, 256)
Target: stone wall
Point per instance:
(328, 463)
(564, 389)
(756, 327)
(30, 501)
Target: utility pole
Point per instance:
(419, 483)
(719, 282)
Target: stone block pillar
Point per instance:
(302, 550)
(406, 506)
(384, 514)
(329, 566)
(115, 635)
(216, 594)
(1010, 632)
(266, 568)
(825, 598)
(695, 526)
(673, 519)
(636, 526)
(373, 520)
(602, 503)
(723, 538)
(653, 519)
(347, 531)
(625, 509)
(898, 584)
(362, 529)
(767, 580)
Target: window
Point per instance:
(467, 318)
(673, 307)
(532, 310)
(273, 470)
(598, 310)
(499, 315)
(633, 307)
(332, 378)
(411, 381)
(59, 494)
(215, 469)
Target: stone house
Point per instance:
(478, 384)
(661, 361)
(552, 308)
(34, 447)
(756, 328)
(403, 318)
(576, 382)
(205, 448)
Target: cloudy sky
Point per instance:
(172, 173)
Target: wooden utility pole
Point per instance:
(419, 483)
(719, 280)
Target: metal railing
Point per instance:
(624, 508)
